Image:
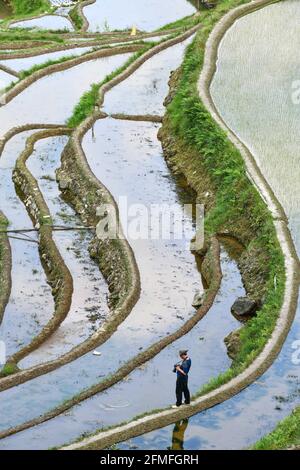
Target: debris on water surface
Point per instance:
(97, 353)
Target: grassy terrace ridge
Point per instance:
(192, 124)
(235, 195)
(285, 435)
(76, 17)
(21, 35)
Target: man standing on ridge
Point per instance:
(182, 370)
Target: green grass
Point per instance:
(76, 18)
(286, 434)
(9, 369)
(183, 23)
(22, 35)
(30, 7)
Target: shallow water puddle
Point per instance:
(146, 15)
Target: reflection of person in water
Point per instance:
(178, 434)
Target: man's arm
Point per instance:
(180, 370)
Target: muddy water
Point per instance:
(89, 306)
(147, 15)
(49, 22)
(121, 153)
(28, 62)
(258, 104)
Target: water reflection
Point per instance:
(178, 435)
(147, 15)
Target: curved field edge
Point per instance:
(5, 265)
(262, 222)
(286, 435)
(78, 17)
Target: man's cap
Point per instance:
(183, 351)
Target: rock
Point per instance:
(244, 307)
(63, 184)
(233, 343)
(198, 300)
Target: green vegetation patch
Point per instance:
(30, 7)
(76, 17)
(285, 435)
(9, 369)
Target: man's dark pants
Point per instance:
(182, 389)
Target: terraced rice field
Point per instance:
(91, 325)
